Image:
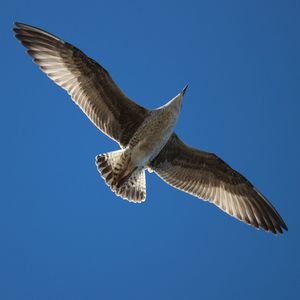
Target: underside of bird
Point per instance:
(126, 181)
(199, 173)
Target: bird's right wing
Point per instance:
(206, 176)
(89, 84)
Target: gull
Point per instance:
(146, 137)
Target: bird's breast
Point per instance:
(152, 136)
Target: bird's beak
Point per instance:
(184, 90)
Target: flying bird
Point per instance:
(146, 137)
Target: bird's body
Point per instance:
(146, 143)
(154, 132)
(146, 137)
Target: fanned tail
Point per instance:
(112, 166)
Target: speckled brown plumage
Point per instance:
(89, 84)
(196, 172)
(208, 177)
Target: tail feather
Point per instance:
(111, 165)
(134, 189)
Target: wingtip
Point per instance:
(280, 229)
(18, 24)
(15, 26)
(284, 226)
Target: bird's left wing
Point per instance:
(206, 176)
(89, 84)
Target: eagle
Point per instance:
(146, 138)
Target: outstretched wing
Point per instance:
(206, 176)
(89, 85)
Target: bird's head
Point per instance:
(176, 102)
(184, 90)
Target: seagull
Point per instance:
(146, 137)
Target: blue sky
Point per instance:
(64, 235)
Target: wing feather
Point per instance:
(206, 176)
(89, 84)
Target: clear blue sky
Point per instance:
(64, 235)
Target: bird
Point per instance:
(146, 137)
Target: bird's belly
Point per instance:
(151, 138)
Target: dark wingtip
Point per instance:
(20, 24)
(279, 229)
(17, 25)
(284, 226)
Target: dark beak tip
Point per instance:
(184, 89)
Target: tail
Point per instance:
(130, 184)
